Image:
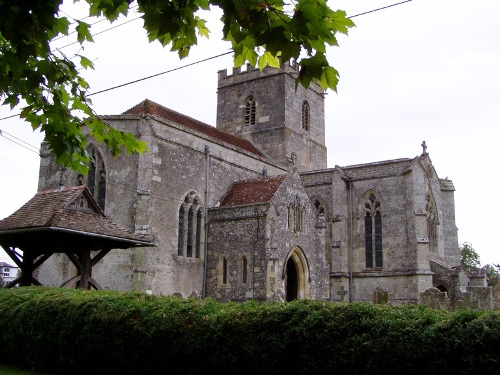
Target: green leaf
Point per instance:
(86, 63)
(83, 32)
(268, 59)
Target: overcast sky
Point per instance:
(422, 70)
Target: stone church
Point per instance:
(249, 209)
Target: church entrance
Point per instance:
(291, 280)
(296, 276)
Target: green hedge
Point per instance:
(67, 331)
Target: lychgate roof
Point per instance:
(67, 210)
(252, 191)
(149, 107)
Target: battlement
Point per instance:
(249, 73)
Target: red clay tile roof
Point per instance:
(252, 191)
(49, 209)
(148, 107)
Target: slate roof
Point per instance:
(252, 191)
(148, 107)
(49, 210)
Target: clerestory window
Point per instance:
(373, 231)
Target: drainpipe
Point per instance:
(205, 252)
(350, 240)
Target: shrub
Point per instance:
(103, 332)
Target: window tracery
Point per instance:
(432, 222)
(373, 231)
(190, 226)
(296, 216)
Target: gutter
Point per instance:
(205, 247)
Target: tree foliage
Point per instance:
(469, 258)
(55, 93)
(493, 272)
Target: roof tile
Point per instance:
(252, 191)
(148, 107)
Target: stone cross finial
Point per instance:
(424, 148)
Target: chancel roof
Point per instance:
(252, 191)
(67, 210)
(148, 107)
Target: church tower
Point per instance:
(264, 107)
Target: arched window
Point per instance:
(189, 251)
(250, 111)
(305, 115)
(224, 271)
(373, 231)
(290, 216)
(190, 226)
(244, 265)
(180, 240)
(96, 177)
(198, 232)
(432, 222)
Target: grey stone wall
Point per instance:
(144, 193)
(261, 233)
(278, 129)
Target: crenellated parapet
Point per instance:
(250, 73)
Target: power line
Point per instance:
(102, 32)
(159, 74)
(376, 10)
(6, 135)
(194, 63)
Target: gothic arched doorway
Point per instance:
(296, 276)
(291, 280)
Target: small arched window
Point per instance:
(244, 272)
(224, 271)
(373, 231)
(96, 177)
(250, 111)
(305, 115)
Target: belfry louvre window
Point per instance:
(305, 115)
(373, 232)
(190, 225)
(250, 111)
(96, 177)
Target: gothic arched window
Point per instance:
(250, 111)
(96, 177)
(305, 115)
(432, 222)
(189, 251)
(373, 231)
(198, 232)
(190, 226)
